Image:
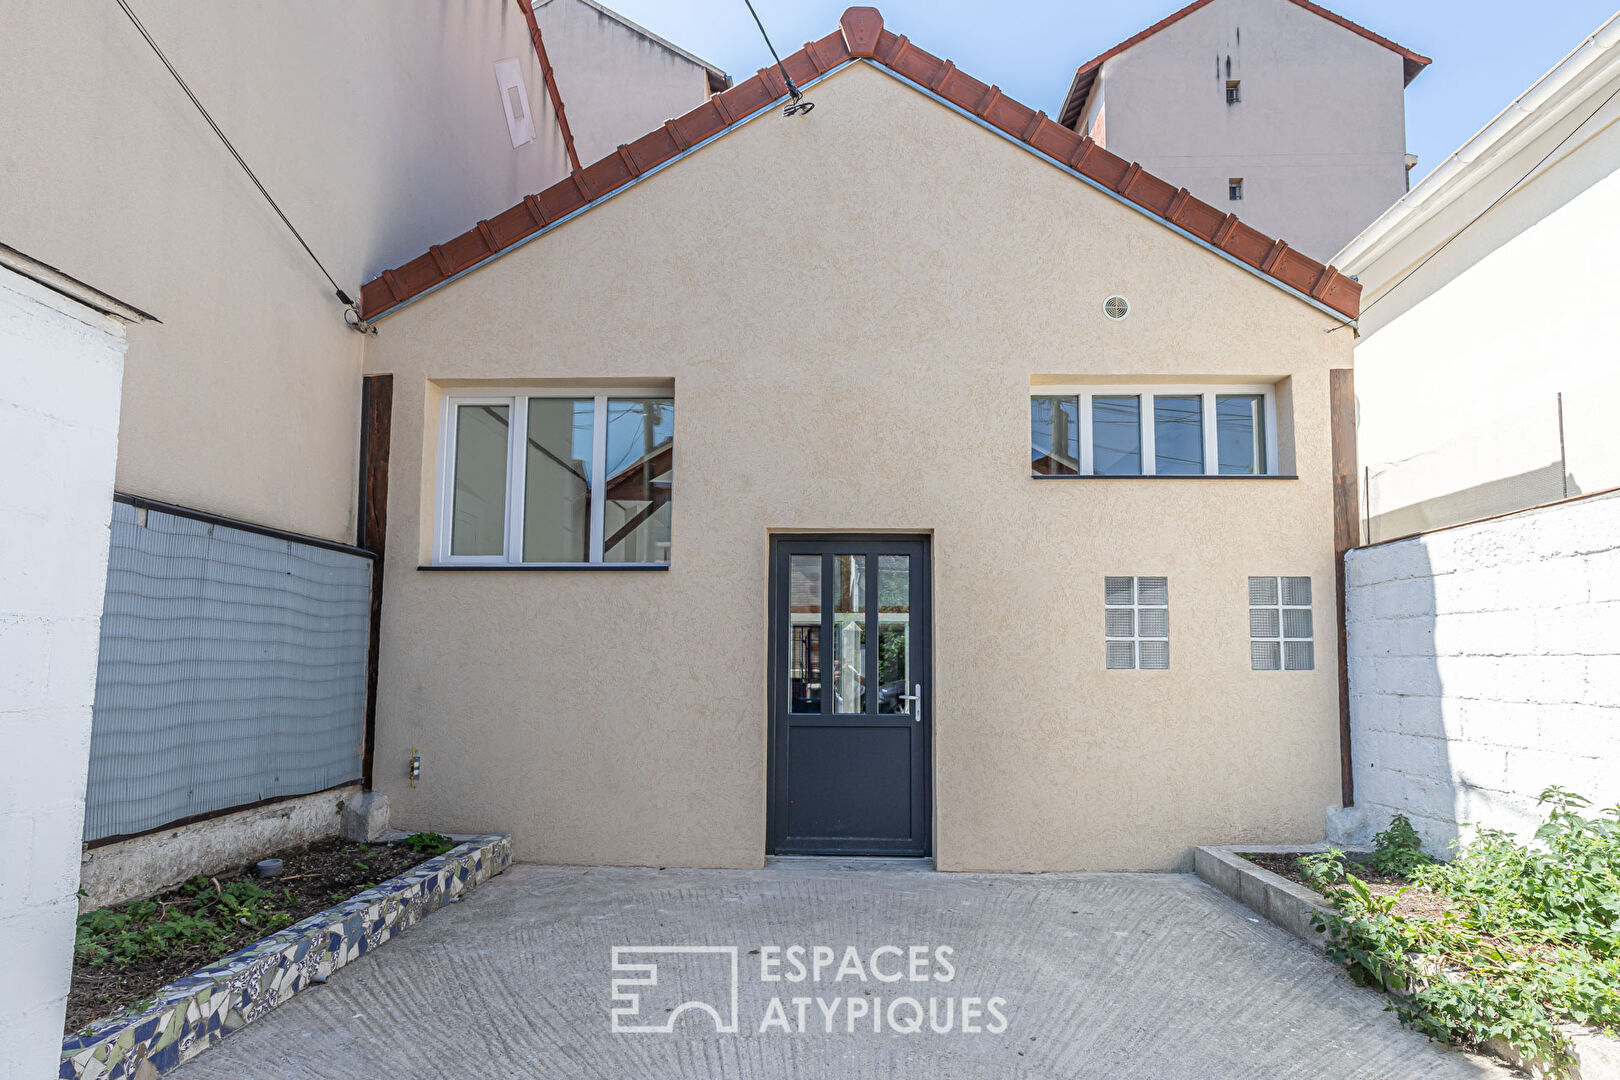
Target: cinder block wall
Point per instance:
(1485, 666)
(61, 367)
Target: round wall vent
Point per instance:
(1116, 307)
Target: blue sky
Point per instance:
(1485, 52)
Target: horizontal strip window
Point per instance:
(563, 479)
(1154, 431)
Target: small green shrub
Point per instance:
(1530, 937)
(428, 843)
(205, 912)
(1398, 850)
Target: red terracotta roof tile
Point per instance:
(862, 35)
(1086, 76)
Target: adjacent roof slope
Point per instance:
(862, 37)
(1086, 77)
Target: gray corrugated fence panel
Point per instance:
(233, 669)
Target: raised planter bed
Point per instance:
(1290, 905)
(193, 1013)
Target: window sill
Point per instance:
(1202, 476)
(565, 567)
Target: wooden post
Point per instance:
(1346, 535)
(376, 416)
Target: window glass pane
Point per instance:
(557, 480)
(1120, 623)
(1296, 591)
(1178, 435)
(1298, 656)
(1296, 622)
(639, 480)
(1054, 436)
(1153, 622)
(804, 625)
(849, 633)
(1262, 591)
(1265, 656)
(1119, 590)
(1240, 434)
(894, 633)
(1121, 654)
(1116, 441)
(1155, 655)
(1263, 623)
(478, 515)
(1153, 591)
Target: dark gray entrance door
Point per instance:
(851, 700)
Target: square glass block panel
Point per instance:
(1121, 655)
(1121, 623)
(1265, 655)
(638, 480)
(557, 480)
(1153, 592)
(1153, 622)
(1155, 655)
(1298, 656)
(1240, 434)
(849, 633)
(1263, 623)
(1054, 436)
(1178, 435)
(1119, 591)
(1263, 591)
(1296, 591)
(478, 508)
(1296, 622)
(804, 629)
(894, 633)
(1116, 436)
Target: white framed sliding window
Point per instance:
(560, 477)
(1199, 430)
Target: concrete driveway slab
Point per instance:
(1052, 975)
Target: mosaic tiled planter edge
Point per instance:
(191, 1014)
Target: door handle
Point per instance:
(915, 697)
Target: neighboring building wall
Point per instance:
(377, 126)
(60, 368)
(617, 80)
(866, 364)
(1319, 137)
(1484, 667)
(1459, 370)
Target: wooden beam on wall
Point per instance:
(1346, 535)
(376, 419)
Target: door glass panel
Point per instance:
(1178, 435)
(804, 633)
(894, 633)
(1240, 434)
(478, 517)
(557, 480)
(849, 633)
(640, 480)
(1116, 439)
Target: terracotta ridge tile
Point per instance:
(1276, 252)
(988, 102)
(680, 143)
(944, 73)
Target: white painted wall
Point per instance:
(1484, 667)
(1319, 137)
(61, 368)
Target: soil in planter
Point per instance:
(128, 952)
(1416, 902)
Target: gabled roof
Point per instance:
(1086, 77)
(861, 37)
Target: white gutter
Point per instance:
(1458, 173)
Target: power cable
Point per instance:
(342, 296)
(798, 106)
(1493, 204)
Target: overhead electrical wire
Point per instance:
(1493, 204)
(342, 296)
(798, 106)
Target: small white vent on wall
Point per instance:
(515, 100)
(1116, 307)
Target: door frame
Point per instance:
(776, 682)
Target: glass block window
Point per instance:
(1136, 615)
(1280, 631)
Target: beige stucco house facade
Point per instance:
(1284, 112)
(611, 642)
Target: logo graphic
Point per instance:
(638, 997)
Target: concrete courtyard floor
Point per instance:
(1102, 975)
